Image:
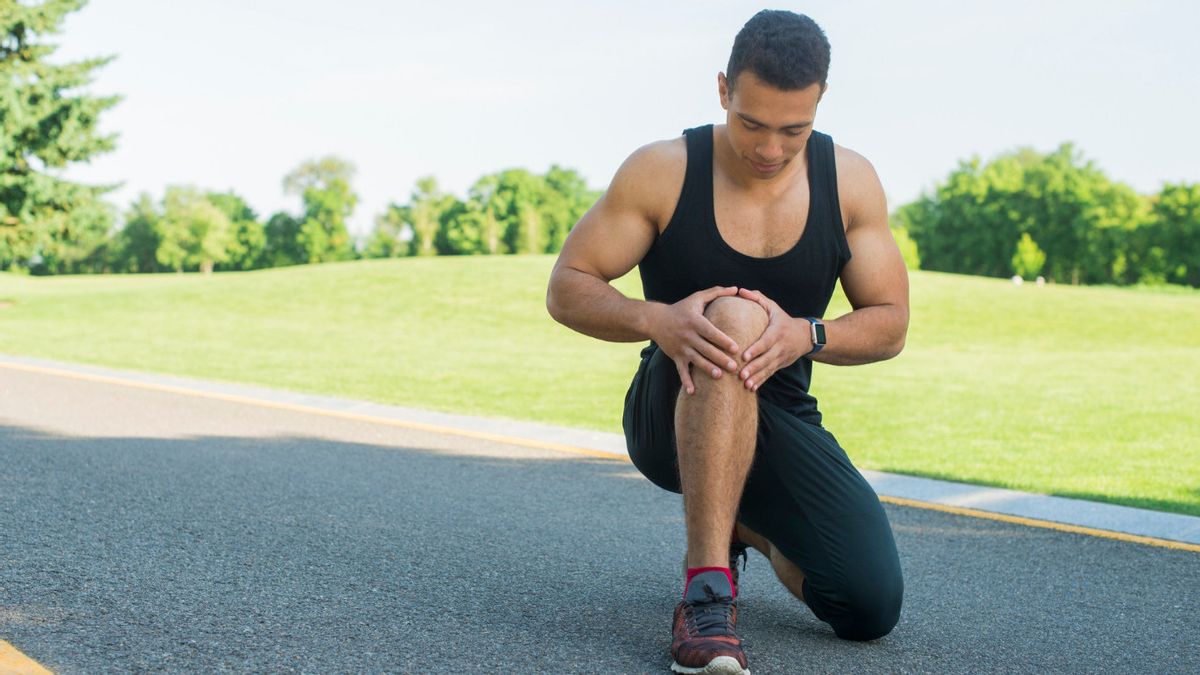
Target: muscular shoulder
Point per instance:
(651, 179)
(859, 190)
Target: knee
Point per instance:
(871, 610)
(739, 318)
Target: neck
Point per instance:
(739, 172)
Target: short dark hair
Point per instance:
(784, 49)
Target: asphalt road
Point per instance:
(145, 531)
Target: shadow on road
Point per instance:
(310, 554)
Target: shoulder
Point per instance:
(859, 190)
(651, 179)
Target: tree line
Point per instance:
(1024, 213)
(512, 211)
(1056, 215)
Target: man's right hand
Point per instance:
(687, 336)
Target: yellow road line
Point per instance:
(1046, 524)
(13, 662)
(574, 450)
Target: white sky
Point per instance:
(232, 94)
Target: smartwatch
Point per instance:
(818, 334)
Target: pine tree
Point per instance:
(46, 123)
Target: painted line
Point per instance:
(1046, 524)
(13, 662)
(587, 452)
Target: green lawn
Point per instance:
(1082, 392)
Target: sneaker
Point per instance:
(703, 639)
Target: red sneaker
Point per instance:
(703, 639)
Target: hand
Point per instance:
(783, 341)
(687, 336)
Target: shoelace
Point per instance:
(712, 615)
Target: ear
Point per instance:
(824, 88)
(723, 90)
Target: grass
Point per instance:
(1074, 391)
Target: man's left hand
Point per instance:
(785, 340)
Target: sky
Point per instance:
(228, 94)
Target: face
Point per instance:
(767, 127)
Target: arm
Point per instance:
(875, 282)
(612, 237)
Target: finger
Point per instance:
(685, 378)
(762, 300)
(762, 345)
(697, 359)
(763, 369)
(767, 361)
(716, 292)
(717, 337)
(714, 354)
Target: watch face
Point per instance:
(820, 330)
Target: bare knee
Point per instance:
(741, 319)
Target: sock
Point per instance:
(693, 571)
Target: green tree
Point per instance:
(47, 123)
(247, 246)
(1082, 221)
(566, 200)
(283, 241)
(324, 186)
(1028, 260)
(391, 236)
(138, 240)
(1175, 232)
(195, 233)
(425, 212)
(521, 196)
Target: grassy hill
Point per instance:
(1075, 391)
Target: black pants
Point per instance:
(803, 495)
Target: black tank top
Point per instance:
(690, 255)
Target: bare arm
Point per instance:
(612, 237)
(875, 280)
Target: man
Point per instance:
(740, 232)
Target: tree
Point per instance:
(391, 236)
(138, 240)
(247, 246)
(1082, 222)
(283, 241)
(47, 123)
(567, 199)
(1175, 232)
(195, 233)
(424, 212)
(521, 195)
(1028, 260)
(324, 186)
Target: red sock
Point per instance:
(693, 571)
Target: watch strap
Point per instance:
(818, 334)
